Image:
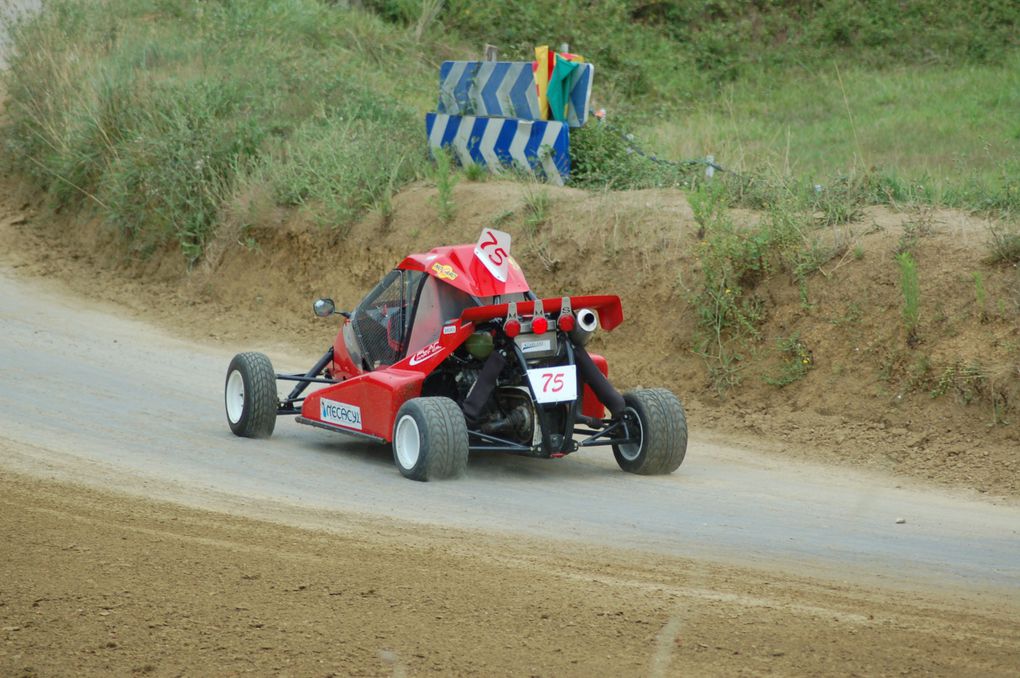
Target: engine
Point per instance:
(513, 416)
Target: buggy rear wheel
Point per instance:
(430, 439)
(249, 396)
(656, 419)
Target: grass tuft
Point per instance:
(911, 291)
(1004, 243)
(445, 178)
(797, 362)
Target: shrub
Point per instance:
(1004, 243)
(602, 156)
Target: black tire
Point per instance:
(430, 439)
(249, 396)
(662, 427)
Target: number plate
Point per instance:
(554, 384)
(493, 250)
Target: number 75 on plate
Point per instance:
(554, 384)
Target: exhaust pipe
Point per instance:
(587, 323)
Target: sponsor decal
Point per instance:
(532, 346)
(341, 414)
(444, 271)
(450, 329)
(424, 354)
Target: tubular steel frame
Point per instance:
(484, 442)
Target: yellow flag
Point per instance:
(541, 71)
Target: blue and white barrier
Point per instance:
(506, 89)
(540, 147)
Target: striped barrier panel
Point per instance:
(539, 147)
(506, 89)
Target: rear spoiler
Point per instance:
(607, 306)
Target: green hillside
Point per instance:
(167, 116)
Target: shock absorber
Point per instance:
(481, 390)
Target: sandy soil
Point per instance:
(94, 583)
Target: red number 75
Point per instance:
(555, 379)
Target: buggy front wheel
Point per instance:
(249, 396)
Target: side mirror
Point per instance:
(323, 307)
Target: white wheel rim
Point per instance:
(631, 451)
(407, 442)
(235, 397)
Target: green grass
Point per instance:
(160, 114)
(652, 54)
(903, 102)
(949, 133)
(156, 113)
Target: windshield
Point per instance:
(382, 319)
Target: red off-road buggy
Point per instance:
(452, 353)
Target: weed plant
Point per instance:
(446, 178)
(980, 295)
(536, 209)
(911, 291)
(1004, 243)
(797, 362)
(602, 156)
(971, 382)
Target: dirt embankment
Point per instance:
(944, 408)
(141, 588)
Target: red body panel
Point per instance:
(376, 396)
(379, 394)
(607, 306)
(458, 266)
(591, 406)
(343, 366)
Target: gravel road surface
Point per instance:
(88, 396)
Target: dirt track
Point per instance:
(95, 583)
(738, 563)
